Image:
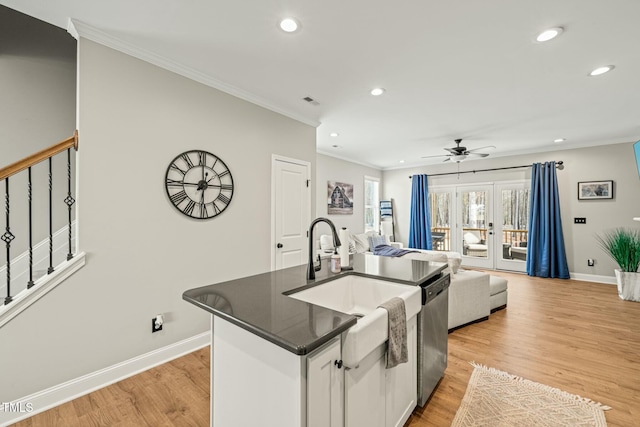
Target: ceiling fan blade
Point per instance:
(478, 154)
(439, 155)
(452, 151)
(447, 159)
(481, 148)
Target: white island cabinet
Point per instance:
(325, 387)
(256, 382)
(379, 397)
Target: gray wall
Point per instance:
(38, 109)
(142, 254)
(333, 169)
(611, 162)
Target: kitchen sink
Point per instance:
(361, 296)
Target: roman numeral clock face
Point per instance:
(199, 184)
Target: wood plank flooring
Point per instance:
(576, 336)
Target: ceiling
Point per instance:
(451, 69)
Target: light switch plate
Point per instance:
(579, 220)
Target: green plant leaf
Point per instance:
(623, 246)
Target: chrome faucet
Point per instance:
(311, 269)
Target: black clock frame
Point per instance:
(199, 193)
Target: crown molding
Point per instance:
(79, 29)
(347, 159)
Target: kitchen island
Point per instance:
(263, 341)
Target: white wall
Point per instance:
(38, 109)
(610, 162)
(333, 169)
(142, 254)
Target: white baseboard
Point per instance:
(609, 280)
(65, 392)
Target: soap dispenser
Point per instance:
(335, 262)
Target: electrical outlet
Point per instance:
(156, 323)
(591, 262)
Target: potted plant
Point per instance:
(623, 246)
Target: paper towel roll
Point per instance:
(344, 247)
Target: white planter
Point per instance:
(628, 285)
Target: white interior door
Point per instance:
(512, 224)
(291, 195)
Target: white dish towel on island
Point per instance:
(397, 344)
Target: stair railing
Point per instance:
(26, 164)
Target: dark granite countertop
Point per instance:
(258, 304)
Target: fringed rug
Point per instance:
(495, 398)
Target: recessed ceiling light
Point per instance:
(601, 70)
(549, 34)
(401, 161)
(289, 25)
(560, 140)
(334, 134)
(377, 91)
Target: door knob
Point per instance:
(279, 245)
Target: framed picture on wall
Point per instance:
(340, 198)
(595, 190)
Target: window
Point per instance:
(371, 203)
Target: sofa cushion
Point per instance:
(431, 256)
(477, 247)
(471, 238)
(497, 284)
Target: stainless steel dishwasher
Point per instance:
(432, 335)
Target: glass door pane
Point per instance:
(441, 213)
(512, 226)
(476, 226)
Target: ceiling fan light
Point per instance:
(460, 158)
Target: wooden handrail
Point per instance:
(35, 158)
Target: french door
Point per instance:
(486, 223)
(512, 225)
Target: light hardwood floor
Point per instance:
(576, 336)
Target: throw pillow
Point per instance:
(362, 242)
(454, 260)
(326, 242)
(376, 240)
(352, 246)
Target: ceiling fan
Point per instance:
(460, 154)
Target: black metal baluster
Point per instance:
(50, 269)
(69, 200)
(30, 283)
(7, 237)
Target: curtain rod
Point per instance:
(558, 164)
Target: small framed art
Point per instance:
(595, 190)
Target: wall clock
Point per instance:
(199, 184)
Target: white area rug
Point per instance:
(495, 398)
